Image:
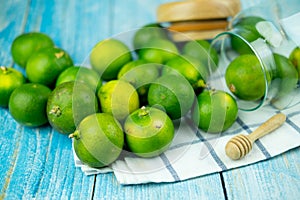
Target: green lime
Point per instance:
(27, 104)
(189, 67)
(82, 74)
(215, 111)
(10, 79)
(27, 44)
(295, 59)
(203, 51)
(118, 98)
(158, 51)
(98, 140)
(108, 56)
(68, 104)
(129, 66)
(147, 33)
(245, 28)
(245, 78)
(45, 65)
(286, 74)
(249, 22)
(140, 74)
(148, 132)
(173, 93)
(240, 45)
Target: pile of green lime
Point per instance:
(50, 90)
(128, 99)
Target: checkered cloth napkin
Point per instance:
(194, 153)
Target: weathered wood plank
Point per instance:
(39, 161)
(132, 14)
(75, 26)
(206, 187)
(9, 140)
(277, 178)
(12, 20)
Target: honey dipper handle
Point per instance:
(268, 126)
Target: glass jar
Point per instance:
(270, 32)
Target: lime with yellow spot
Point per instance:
(245, 78)
(118, 98)
(108, 57)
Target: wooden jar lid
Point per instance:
(197, 10)
(198, 19)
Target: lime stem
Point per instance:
(201, 84)
(143, 112)
(59, 54)
(4, 69)
(75, 135)
(55, 111)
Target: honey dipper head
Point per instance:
(237, 147)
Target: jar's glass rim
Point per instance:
(265, 58)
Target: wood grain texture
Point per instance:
(12, 19)
(10, 26)
(75, 26)
(41, 161)
(206, 187)
(277, 178)
(37, 163)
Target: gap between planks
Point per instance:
(94, 187)
(223, 186)
(10, 171)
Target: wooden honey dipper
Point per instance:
(240, 145)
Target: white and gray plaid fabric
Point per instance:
(194, 153)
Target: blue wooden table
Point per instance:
(37, 163)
